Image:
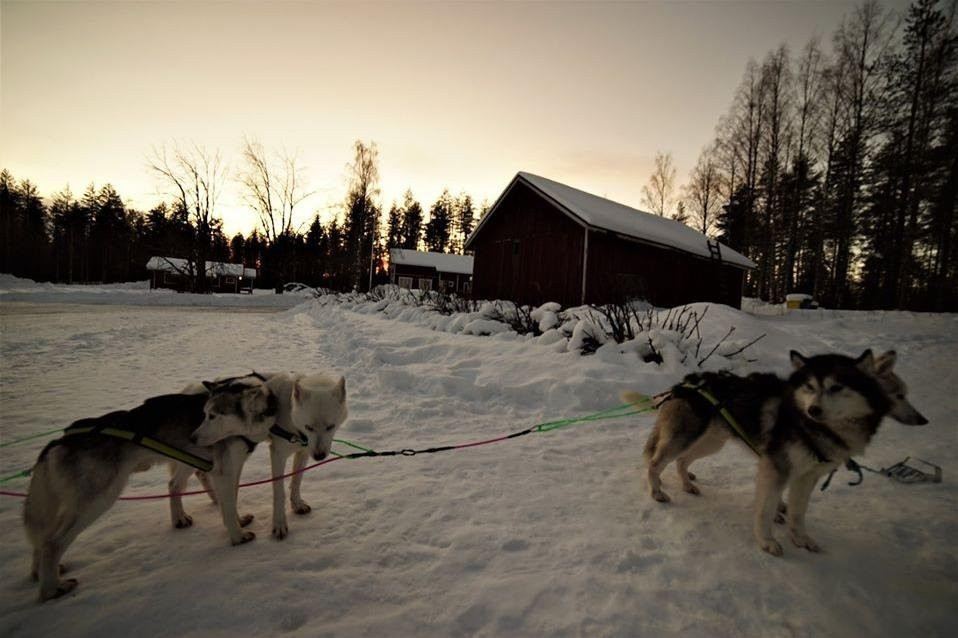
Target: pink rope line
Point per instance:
(150, 497)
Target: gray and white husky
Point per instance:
(309, 406)
(78, 477)
(803, 428)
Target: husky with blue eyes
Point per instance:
(801, 428)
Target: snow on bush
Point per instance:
(670, 338)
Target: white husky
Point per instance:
(310, 408)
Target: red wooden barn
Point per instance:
(545, 241)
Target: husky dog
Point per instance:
(79, 476)
(310, 408)
(896, 391)
(803, 428)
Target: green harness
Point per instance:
(708, 396)
(147, 442)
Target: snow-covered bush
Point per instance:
(669, 337)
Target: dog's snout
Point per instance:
(319, 456)
(921, 420)
(814, 411)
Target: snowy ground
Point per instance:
(135, 293)
(551, 534)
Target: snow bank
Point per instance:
(582, 330)
(137, 293)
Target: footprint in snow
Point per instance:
(291, 619)
(515, 545)
(361, 425)
(635, 563)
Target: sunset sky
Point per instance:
(457, 95)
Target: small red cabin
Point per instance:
(178, 274)
(430, 271)
(545, 241)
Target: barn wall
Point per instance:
(528, 252)
(620, 269)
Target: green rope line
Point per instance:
(618, 412)
(353, 445)
(20, 474)
(30, 438)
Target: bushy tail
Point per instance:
(634, 398)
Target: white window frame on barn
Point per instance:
(405, 282)
(425, 283)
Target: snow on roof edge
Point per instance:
(180, 265)
(442, 262)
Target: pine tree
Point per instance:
(465, 221)
(411, 222)
(394, 227)
(439, 225)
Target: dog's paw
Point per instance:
(661, 496)
(804, 541)
(691, 489)
(245, 520)
(63, 587)
(61, 570)
(246, 537)
(771, 546)
(280, 532)
(302, 508)
(183, 522)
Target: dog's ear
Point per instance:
(341, 389)
(885, 362)
(866, 362)
(209, 385)
(798, 361)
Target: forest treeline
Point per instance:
(835, 169)
(836, 166)
(96, 238)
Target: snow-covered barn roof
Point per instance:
(600, 213)
(461, 264)
(213, 268)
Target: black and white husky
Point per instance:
(802, 428)
(78, 477)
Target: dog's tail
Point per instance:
(642, 401)
(634, 398)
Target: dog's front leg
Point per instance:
(295, 499)
(277, 460)
(179, 476)
(768, 492)
(799, 494)
(228, 466)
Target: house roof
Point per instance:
(597, 212)
(213, 268)
(443, 262)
